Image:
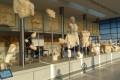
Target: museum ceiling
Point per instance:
(93, 8)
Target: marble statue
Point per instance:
(115, 48)
(51, 13)
(33, 35)
(58, 49)
(106, 47)
(73, 38)
(70, 39)
(23, 8)
(94, 48)
(33, 47)
(85, 38)
(8, 57)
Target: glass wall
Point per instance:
(110, 29)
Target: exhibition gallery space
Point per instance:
(59, 40)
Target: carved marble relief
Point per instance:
(67, 21)
(48, 41)
(55, 24)
(80, 26)
(90, 28)
(95, 29)
(7, 40)
(36, 21)
(7, 16)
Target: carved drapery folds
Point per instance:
(7, 16)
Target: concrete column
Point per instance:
(61, 9)
(21, 46)
(85, 21)
(98, 25)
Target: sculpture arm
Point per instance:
(32, 9)
(15, 4)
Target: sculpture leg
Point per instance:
(55, 57)
(62, 52)
(78, 51)
(3, 66)
(86, 51)
(78, 48)
(69, 53)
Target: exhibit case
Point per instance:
(41, 49)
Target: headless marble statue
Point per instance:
(70, 40)
(23, 8)
(8, 57)
(73, 37)
(85, 38)
(94, 48)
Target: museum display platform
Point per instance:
(45, 71)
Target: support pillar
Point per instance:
(61, 9)
(21, 46)
(85, 21)
(98, 25)
(85, 28)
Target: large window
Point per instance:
(110, 29)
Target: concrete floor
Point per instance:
(107, 72)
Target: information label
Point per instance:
(5, 74)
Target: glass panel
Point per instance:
(105, 26)
(118, 30)
(105, 31)
(113, 20)
(105, 22)
(114, 30)
(113, 25)
(106, 36)
(113, 36)
(118, 24)
(93, 38)
(118, 19)
(118, 35)
(114, 40)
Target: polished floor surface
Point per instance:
(107, 72)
